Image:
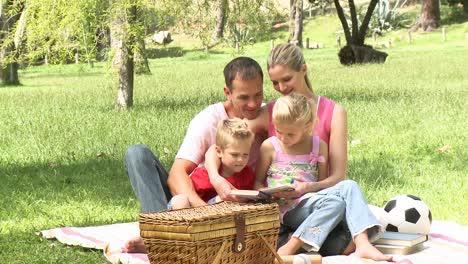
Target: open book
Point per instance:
(263, 194)
(400, 239)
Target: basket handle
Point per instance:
(270, 247)
(220, 252)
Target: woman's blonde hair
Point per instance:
(288, 55)
(231, 130)
(293, 108)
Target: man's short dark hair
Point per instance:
(247, 68)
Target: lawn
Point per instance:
(62, 140)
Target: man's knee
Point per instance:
(137, 152)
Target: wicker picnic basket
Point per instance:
(224, 232)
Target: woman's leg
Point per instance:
(328, 211)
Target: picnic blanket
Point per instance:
(448, 243)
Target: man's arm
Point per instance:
(179, 181)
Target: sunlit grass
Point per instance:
(62, 140)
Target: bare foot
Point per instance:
(370, 252)
(291, 247)
(135, 245)
(350, 248)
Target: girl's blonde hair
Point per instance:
(288, 55)
(232, 130)
(293, 108)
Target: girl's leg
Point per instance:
(362, 223)
(328, 211)
(358, 215)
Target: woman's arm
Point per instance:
(323, 166)
(337, 149)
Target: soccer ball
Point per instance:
(407, 214)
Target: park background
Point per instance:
(63, 138)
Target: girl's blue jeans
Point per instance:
(326, 209)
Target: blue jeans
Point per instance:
(148, 178)
(326, 209)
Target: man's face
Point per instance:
(246, 97)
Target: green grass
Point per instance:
(62, 140)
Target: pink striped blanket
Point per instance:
(448, 243)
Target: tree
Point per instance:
(295, 22)
(355, 50)
(123, 35)
(429, 18)
(11, 34)
(221, 19)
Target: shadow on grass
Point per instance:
(166, 103)
(165, 52)
(50, 189)
(453, 15)
(62, 75)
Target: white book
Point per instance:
(400, 239)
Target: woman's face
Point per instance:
(286, 80)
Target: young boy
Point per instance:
(233, 142)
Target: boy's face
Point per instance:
(235, 156)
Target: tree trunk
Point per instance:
(141, 59)
(123, 55)
(8, 65)
(429, 19)
(221, 19)
(355, 51)
(365, 22)
(296, 22)
(354, 23)
(344, 22)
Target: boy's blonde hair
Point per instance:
(289, 55)
(293, 108)
(231, 130)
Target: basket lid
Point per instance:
(215, 216)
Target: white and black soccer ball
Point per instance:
(407, 214)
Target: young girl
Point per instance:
(294, 157)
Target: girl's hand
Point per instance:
(304, 187)
(289, 195)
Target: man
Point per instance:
(150, 181)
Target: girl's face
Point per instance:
(291, 134)
(286, 80)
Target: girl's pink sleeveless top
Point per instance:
(322, 126)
